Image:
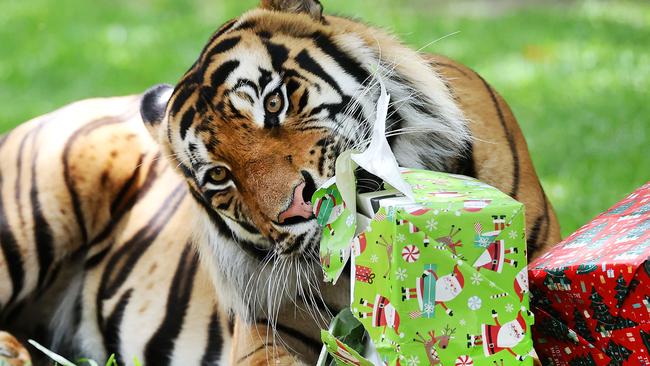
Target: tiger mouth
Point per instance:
(296, 220)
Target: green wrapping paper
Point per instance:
(441, 280)
(439, 271)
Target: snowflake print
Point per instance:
(374, 258)
(492, 284)
(483, 241)
(474, 303)
(512, 234)
(400, 274)
(510, 308)
(476, 278)
(400, 238)
(432, 224)
(462, 322)
(429, 308)
(350, 220)
(413, 361)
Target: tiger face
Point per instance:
(257, 122)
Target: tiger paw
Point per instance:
(12, 352)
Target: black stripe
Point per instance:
(221, 31)
(11, 251)
(350, 65)
(220, 75)
(191, 73)
(279, 54)
(314, 344)
(18, 185)
(67, 175)
(124, 260)
(436, 63)
(249, 248)
(180, 95)
(307, 63)
(186, 121)
(231, 322)
(221, 47)
(128, 256)
(248, 24)
(97, 258)
(42, 231)
(161, 345)
(119, 207)
(547, 219)
(112, 329)
(465, 164)
(510, 138)
(304, 99)
(128, 185)
(534, 231)
(249, 354)
(212, 352)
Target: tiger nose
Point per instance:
(300, 208)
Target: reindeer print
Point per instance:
(447, 241)
(442, 342)
(388, 245)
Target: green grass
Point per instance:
(577, 76)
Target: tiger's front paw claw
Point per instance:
(12, 352)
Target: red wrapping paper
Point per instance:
(591, 293)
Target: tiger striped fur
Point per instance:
(174, 226)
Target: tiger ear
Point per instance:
(311, 7)
(152, 109)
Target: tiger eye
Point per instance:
(273, 103)
(218, 174)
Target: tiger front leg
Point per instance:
(12, 352)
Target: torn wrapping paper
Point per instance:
(439, 273)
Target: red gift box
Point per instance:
(591, 293)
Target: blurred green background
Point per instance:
(576, 74)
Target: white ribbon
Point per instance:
(377, 159)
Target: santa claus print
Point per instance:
(494, 256)
(521, 283)
(500, 337)
(344, 356)
(359, 244)
(383, 315)
(431, 290)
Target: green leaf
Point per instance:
(56, 358)
(89, 361)
(111, 361)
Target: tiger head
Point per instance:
(257, 122)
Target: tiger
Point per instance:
(174, 227)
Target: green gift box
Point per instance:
(438, 262)
(440, 279)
